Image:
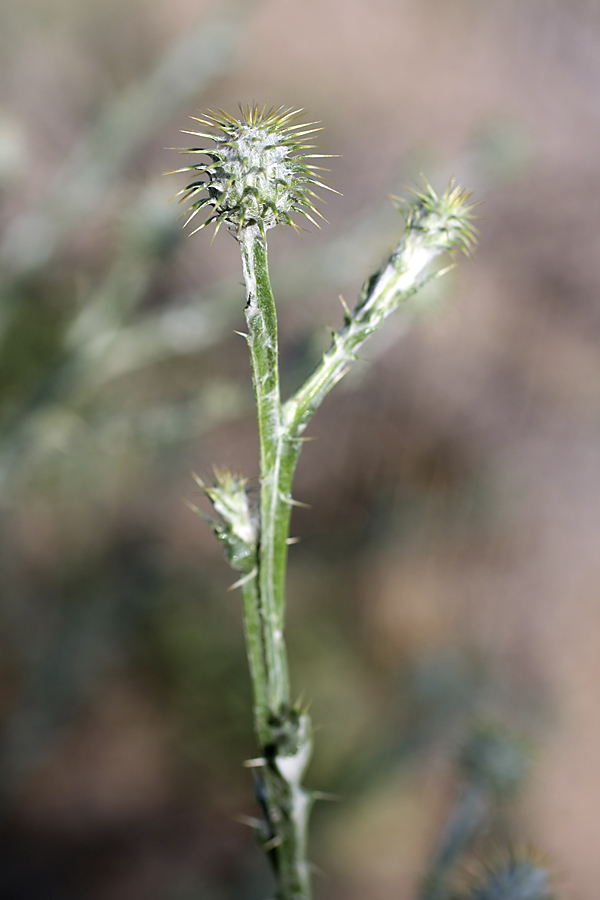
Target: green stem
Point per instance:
(283, 731)
(254, 632)
(274, 512)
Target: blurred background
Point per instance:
(446, 587)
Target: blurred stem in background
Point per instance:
(203, 54)
(33, 239)
(101, 344)
(493, 765)
(28, 247)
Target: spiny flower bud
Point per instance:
(230, 500)
(259, 171)
(440, 222)
(238, 531)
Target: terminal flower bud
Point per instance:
(259, 170)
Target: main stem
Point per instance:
(282, 730)
(274, 513)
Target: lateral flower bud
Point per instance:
(434, 224)
(259, 171)
(238, 530)
(440, 222)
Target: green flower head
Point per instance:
(259, 171)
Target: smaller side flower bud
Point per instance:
(440, 222)
(515, 879)
(434, 224)
(238, 528)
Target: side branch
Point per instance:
(255, 541)
(434, 225)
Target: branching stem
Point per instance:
(283, 730)
(256, 542)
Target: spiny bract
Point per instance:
(259, 171)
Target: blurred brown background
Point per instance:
(449, 567)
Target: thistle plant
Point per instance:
(258, 172)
